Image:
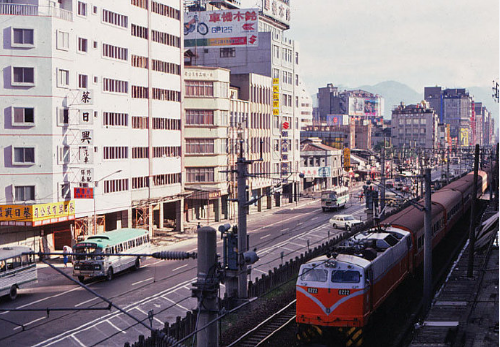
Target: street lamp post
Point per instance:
(95, 185)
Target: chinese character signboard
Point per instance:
(85, 117)
(278, 10)
(315, 171)
(84, 193)
(35, 215)
(225, 28)
(347, 159)
(81, 97)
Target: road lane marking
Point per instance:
(180, 267)
(176, 304)
(263, 237)
(147, 279)
(82, 303)
(78, 341)
(156, 262)
(48, 297)
(33, 321)
(313, 218)
(264, 272)
(285, 229)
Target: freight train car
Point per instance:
(343, 291)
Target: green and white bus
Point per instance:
(335, 198)
(17, 268)
(91, 259)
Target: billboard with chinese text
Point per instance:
(35, 215)
(225, 28)
(278, 10)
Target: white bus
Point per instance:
(91, 259)
(335, 198)
(17, 268)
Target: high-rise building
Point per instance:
(91, 129)
(414, 126)
(454, 107)
(360, 104)
(252, 41)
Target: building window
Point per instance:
(66, 191)
(139, 31)
(199, 117)
(62, 40)
(166, 95)
(162, 10)
(163, 66)
(140, 182)
(199, 88)
(228, 52)
(82, 9)
(118, 185)
(199, 174)
(83, 81)
(63, 155)
(23, 76)
(165, 38)
(24, 155)
(200, 146)
(62, 116)
(166, 151)
(62, 78)
(114, 18)
(23, 116)
(24, 193)
(139, 61)
(82, 44)
(114, 86)
(140, 3)
(115, 153)
(114, 52)
(139, 92)
(23, 38)
(166, 179)
(115, 119)
(140, 122)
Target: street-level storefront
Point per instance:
(43, 227)
(204, 205)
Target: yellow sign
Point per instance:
(276, 112)
(464, 137)
(276, 89)
(276, 96)
(276, 103)
(347, 159)
(35, 215)
(276, 81)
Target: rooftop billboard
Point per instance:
(278, 10)
(225, 28)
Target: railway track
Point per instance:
(267, 328)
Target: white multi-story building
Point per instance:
(265, 51)
(414, 126)
(91, 96)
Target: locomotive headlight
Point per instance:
(77, 267)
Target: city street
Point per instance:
(161, 286)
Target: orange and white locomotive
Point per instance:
(342, 291)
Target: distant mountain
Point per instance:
(394, 93)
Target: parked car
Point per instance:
(392, 199)
(346, 221)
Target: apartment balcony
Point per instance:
(34, 10)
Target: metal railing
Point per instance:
(34, 10)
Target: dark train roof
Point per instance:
(412, 218)
(447, 197)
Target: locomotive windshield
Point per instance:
(314, 275)
(346, 276)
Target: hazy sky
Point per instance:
(451, 43)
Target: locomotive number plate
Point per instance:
(344, 292)
(312, 290)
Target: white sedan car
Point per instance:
(346, 221)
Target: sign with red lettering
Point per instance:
(286, 125)
(83, 193)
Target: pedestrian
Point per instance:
(361, 195)
(199, 225)
(65, 255)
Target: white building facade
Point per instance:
(414, 126)
(92, 100)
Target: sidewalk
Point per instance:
(190, 227)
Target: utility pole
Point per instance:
(427, 242)
(242, 223)
(472, 231)
(206, 288)
(382, 192)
